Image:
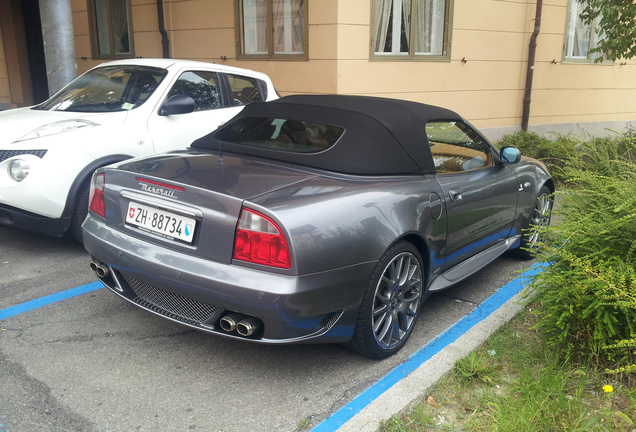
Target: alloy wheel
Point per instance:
(397, 299)
(540, 217)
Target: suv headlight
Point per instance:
(56, 128)
(18, 169)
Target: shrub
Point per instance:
(607, 156)
(555, 154)
(558, 155)
(588, 294)
(527, 142)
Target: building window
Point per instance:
(411, 29)
(579, 36)
(272, 29)
(111, 35)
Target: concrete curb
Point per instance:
(416, 385)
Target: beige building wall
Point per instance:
(5, 93)
(203, 30)
(484, 79)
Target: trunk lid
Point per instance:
(201, 191)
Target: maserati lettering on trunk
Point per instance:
(158, 191)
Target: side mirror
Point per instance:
(178, 104)
(510, 155)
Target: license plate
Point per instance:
(163, 223)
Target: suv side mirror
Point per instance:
(510, 155)
(178, 104)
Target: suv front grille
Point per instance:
(171, 305)
(6, 154)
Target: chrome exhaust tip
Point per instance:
(248, 326)
(229, 322)
(100, 269)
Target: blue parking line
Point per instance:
(425, 353)
(43, 301)
(418, 358)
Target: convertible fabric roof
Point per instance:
(382, 136)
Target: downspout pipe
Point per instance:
(162, 29)
(531, 54)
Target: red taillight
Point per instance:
(96, 198)
(259, 240)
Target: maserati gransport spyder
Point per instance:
(313, 219)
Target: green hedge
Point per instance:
(555, 154)
(588, 293)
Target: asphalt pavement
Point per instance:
(94, 362)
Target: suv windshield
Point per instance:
(288, 135)
(106, 89)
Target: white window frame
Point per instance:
(439, 28)
(573, 11)
(98, 32)
(247, 37)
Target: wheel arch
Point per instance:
(85, 174)
(550, 185)
(422, 247)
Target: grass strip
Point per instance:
(513, 382)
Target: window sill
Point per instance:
(573, 61)
(112, 57)
(291, 57)
(403, 58)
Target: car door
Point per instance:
(480, 196)
(217, 96)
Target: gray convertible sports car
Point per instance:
(313, 219)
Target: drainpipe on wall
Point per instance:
(59, 43)
(531, 53)
(162, 29)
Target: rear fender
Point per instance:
(84, 175)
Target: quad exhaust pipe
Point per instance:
(242, 324)
(99, 268)
(229, 322)
(248, 326)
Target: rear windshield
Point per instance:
(287, 135)
(106, 89)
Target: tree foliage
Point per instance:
(615, 23)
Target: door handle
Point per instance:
(455, 194)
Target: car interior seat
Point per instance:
(143, 87)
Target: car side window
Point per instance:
(245, 90)
(456, 147)
(201, 86)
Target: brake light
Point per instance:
(96, 198)
(259, 240)
(152, 182)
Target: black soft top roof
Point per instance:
(382, 136)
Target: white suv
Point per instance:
(116, 111)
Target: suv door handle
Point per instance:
(455, 194)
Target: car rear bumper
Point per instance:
(17, 218)
(321, 307)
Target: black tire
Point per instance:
(80, 210)
(380, 334)
(541, 214)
